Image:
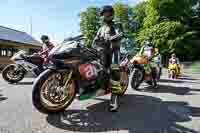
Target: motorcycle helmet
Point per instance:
(147, 41)
(173, 55)
(45, 38)
(107, 12)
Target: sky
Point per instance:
(56, 18)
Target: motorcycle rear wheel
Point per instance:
(10, 75)
(46, 98)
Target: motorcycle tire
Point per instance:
(9, 69)
(173, 74)
(135, 82)
(149, 83)
(38, 97)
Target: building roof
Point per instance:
(9, 34)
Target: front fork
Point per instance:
(67, 78)
(18, 68)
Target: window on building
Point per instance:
(7, 51)
(13, 51)
(3, 52)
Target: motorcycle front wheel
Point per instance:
(13, 73)
(136, 77)
(50, 94)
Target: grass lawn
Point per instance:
(194, 68)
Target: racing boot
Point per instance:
(116, 91)
(114, 103)
(154, 76)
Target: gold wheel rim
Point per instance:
(70, 90)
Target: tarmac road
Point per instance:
(173, 108)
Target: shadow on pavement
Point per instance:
(171, 81)
(2, 98)
(24, 83)
(137, 114)
(186, 78)
(181, 79)
(169, 89)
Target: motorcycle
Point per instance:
(74, 69)
(139, 74)
(22, 64)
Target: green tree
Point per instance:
(165, 35)
(139, 12)
(175, 10)
(152, 12)
(166, 22)
(123, 17)
(89, 23)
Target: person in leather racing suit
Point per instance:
(149, 51)
(107, 41)
(44, 53)
(46, 48)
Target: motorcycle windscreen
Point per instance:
(17, 55)
(63, 47)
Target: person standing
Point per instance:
(107, 41)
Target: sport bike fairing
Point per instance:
(92, 76)
(18, 55)
(26, 64)
(63, 47)
(88, 71)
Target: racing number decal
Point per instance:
(88, 71)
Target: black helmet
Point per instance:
(44, 37)
(107, 8)
(147, 38)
